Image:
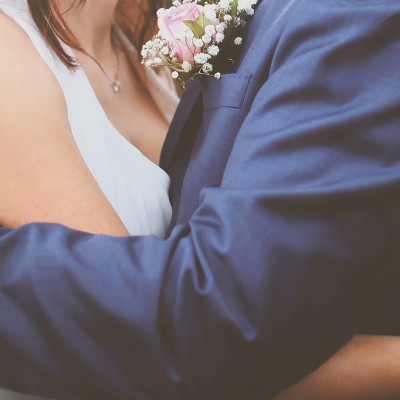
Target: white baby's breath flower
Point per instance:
(152, 53)
(201, 58)
(213, 50)
(165, 50)
(209, 30)
(186, 66)
(158, 61)
(206, 38)
(238, 41)
(198, 43)
(227, 18)
(217, 75)
(209, 11)
(224, 4)
(219, 37)
(244, 5)
(149, 63)
(175, 75)
(176, 3)
(160, 12)
(207, 67)
(220, 27)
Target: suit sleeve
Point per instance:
(278, 267)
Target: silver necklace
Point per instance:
(115, 83)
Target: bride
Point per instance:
(83, 122)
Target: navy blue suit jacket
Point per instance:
(286, 193)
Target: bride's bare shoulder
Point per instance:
(39, 159)
(22, 69)
(13, 39)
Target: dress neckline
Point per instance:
(115, 132)
(118, 135)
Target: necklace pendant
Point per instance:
(116, 86)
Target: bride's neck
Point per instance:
(91, 24)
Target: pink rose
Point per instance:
(173, 29)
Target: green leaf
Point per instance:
(235, 4)
(203, 21)
(197, 29)
(173, 68)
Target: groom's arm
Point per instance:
(367, 368)
(275, 271)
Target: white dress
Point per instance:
(135, 186)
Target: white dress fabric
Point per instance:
(135, 186)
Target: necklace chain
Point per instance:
(115, 83)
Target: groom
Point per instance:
(286, 195)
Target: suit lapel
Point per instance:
(178, 122)
(184, 110)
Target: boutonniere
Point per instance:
(195, 35)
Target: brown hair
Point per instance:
(136, 18)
